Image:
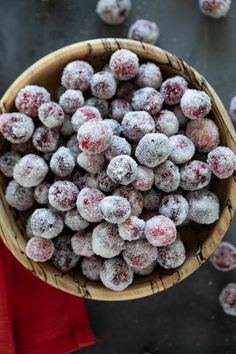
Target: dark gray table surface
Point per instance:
(187, 318)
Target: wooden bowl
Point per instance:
(200, 241)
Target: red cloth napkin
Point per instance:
(36, 318)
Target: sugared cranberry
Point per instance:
(81, 243)
(88, 204)
(8, 162)
(62, 162)
(124, 64)
(74, 220)
(137, 124)
(118, 146)
(41, 193)
(91, 163)
(100, 104)
(113, 12)
(215, 8)
(16, 127)
(45, 140)
(227, 299)
(115, 209)
(119, 107)
(30, 98)
(105, 184)
(152, 199)
(194, 175)
(122, 169)
(149, 75)
(173, 89)
(94, 137)
(195, 104)
(160, 231)
(77, 75)
(83, 115)
(91, 267)
(19, 197)
(71, 100)
(133, 196)
(30, 170)
(167, 176)
(126, 90)
(166, 123)
(171, 256)
(64, 259)
(39, 249)
(62, 195)
(106, 240)
(144, 31)
(222, 162)
(132, 229)
(181, 149)
(103, 85)
(139, 253)
(204, 134)
(175, 207)
(51, 114)
(144, 178)
(46, 223)
(224, 257)
(116, 274)
(147, 99)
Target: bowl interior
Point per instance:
(200, 240)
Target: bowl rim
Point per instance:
(11, 233)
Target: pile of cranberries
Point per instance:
(113, 168)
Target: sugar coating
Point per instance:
(73, 145)
(67, 128)
(46, 223)
(215, 8)
(81, 243)
(160, 231)
(119, 107)
(232, 109)
(30, 98)
(30, 170)
(124, 64)
(71, 100)
(118, 146)
(19, 197)
(64, 259)
(16, 127)
(39, 249)
(152, 149)
(204, 134)
(100, 104)
(182, 149)
(152, 199)
(91, 267)
(106, 240)
(103, 85)
(227, 299)
(115, 209)
(62, 195)
(145, 271)
(8, 162)
(167, 176)
(180, 116)
(126, 90)
(136, 124)
(41, 193)
(116, 274)
(45, 140)
(166, 123)
(77, 75)
(147, 99)
(222, 162)
(175, 207)
(132, 229)
(113, 12)
(171, 256)
(144, 178)
(194, 175)
(83, 115)
(94, 137)
(139, 253)
(113, 125)
(105, 184)
(88, 204)
(91, 163)
(204, 206)
(173, 89)
(144, 31)
(149, 75)
(122, 169)
(195, 104)
(74, 220)
(62, 162)
(51, 114)
(224, 257)
(133, 196)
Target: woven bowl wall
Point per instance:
(200, 240)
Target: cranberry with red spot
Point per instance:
(81, 243)
(139, 253)
(160, 231)
(124, 64)
(19, 197)
(144, 178)
(118, 146)
(137, 124)
(91, 267)
(133, 196)
(222, 162)
(71, 100)
(119, 107)
(30, 98)
(224, 257)
(175, 207)
(113, 12)
(195, 104)
(62, 162)
(51, 114)
(132, 229)
(171, 256)
(167, 176)
(215, 8)
(103, 85)
(166, 123)
(227, 299)
(116, 274)
(147, 99)
(83, 115)
(45, 140)
(122, 169)
(88, 204)
(173, 89)
(194, 175)
(182, 149)
(115, 209)
(149, 75)
(144, 31)
(46, 223)
(62, 195)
